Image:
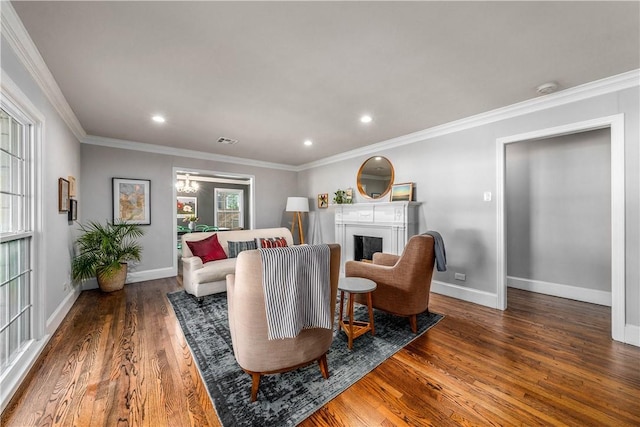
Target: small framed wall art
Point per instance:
(186, 207)
(132, 200)
(402, 192)
(73, 192)
(63, 195)
(323, 200)
(73, 210)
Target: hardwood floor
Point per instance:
(121, 359)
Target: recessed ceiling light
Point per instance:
(308, 142)
(366, 119)
(158, 119)
(378, 158)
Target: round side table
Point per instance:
(355, 285)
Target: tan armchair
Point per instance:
(257, 355)
(404, 281)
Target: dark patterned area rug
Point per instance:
(288, 398)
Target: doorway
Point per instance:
(616, 126)
(215, 200)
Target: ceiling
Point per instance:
(273, 74)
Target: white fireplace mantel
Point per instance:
(394, 222)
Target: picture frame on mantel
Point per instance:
(402, 192)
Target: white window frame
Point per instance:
(18, 106)
(240, 194)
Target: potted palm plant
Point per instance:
(103, 252)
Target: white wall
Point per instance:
(452, 170)
(61, 158)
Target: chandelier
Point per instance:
(187, 186)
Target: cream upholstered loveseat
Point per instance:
(200, 279)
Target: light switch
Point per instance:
(487, 196)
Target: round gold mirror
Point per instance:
(375, 177)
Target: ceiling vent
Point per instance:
(228, 141)
(547, 88)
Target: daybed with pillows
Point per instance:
(208, 257)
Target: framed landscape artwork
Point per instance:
(132, 200)
(186, 207)
(402, 192)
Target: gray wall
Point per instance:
(452, 171)
(558, 210)
(100, 164)
(60, 158)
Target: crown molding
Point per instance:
(181, 152)
(604, 86)
(18, 38)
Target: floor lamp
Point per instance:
(297, 205)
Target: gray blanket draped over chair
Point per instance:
(295, 283)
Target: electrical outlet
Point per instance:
(460, 276)
(487, 196)
(65, 287)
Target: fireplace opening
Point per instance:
(365, 246)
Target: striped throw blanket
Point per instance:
(297, 289)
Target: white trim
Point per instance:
(466, 294)
(182, 152)
(143, 276)
(588, 90)
(55, 320)
(20, 106)
(632, 334)
(12, 380)
(578, 93)
(22, 44)
(592, 296)
(616, 124)
(135, 277)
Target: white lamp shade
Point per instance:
(297, 204)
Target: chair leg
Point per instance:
(255, 383)
(413, 322)
(324, 367)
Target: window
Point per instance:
(229, 212)
(16, 234)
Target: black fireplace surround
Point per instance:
(365, 246)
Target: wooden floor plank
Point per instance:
(121, 359)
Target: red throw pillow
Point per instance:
(271, 242)
(208, 249)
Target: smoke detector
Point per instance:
(547, 88)
(227, 141)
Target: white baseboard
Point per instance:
(466, 294)
(559, 290)
(158, 273)
(136, 276)
(58, 316)
(632, 334)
